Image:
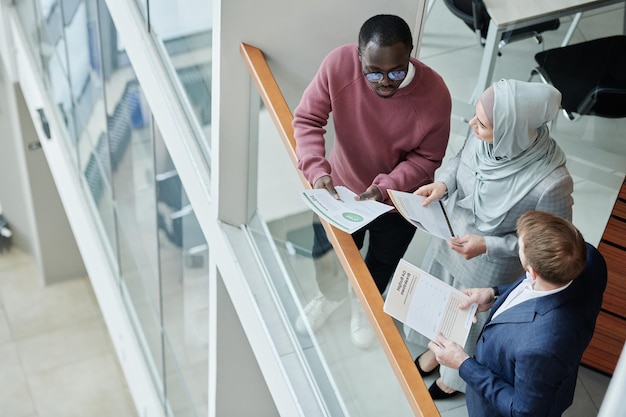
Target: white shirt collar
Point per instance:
(409, 76)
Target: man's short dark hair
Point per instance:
(385, 30)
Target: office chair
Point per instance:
(591, 75)
(475, 16)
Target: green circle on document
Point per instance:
(353, 217)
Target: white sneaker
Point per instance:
(361, 331)
(316, 312)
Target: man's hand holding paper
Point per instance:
(343, 210)
(428, 305)
(447, 352)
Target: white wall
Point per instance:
(295, 36)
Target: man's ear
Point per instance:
(532, 272)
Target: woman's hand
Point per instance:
(433, 191)
(468, 246)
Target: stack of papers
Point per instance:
(432, 218)
(346, 213)
(427, 304)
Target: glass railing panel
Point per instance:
(351, 381)
(184, 28)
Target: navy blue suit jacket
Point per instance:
(527, 358)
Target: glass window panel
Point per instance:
(185, 29)
(61, 28)
(29, 16)
(85, 74)
(96, 174)
(132, 164)
(61, 92)
(47, 6)
(77, 39)
(75, 86)
(51, 21)
(143, 7)
(183, 255)
(178, 384)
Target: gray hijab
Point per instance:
(522, 153)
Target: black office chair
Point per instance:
(475, 16)
(591, 75)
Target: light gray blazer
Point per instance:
(500, 264)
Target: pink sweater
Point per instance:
(394, 143)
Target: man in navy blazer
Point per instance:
(529, 351)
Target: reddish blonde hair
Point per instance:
(553, 246)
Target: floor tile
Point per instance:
(12, 257)
(582, 406)
(595, 384)
(5, 332)
(15, 397)
(63, 346)
(85, 388)
(31, 308)
(56, 355)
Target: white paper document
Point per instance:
(346, 213)
(432, 218)
(428, 305)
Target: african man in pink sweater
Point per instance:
(392, 122)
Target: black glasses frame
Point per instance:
(376, 77)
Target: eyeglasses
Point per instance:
(376, 77)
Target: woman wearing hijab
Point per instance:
(509, 165)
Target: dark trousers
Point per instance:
(389, 238)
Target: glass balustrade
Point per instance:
(350, 380)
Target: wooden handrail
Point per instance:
(390, 339)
